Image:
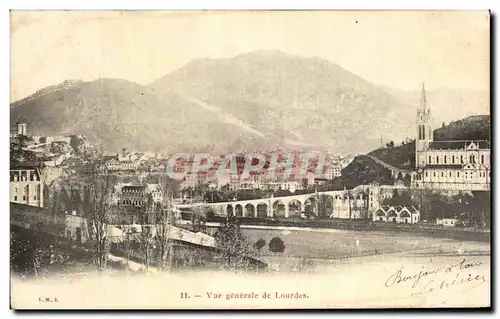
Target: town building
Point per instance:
(448, 165)
(123, 161)
(397, 214)
(234, 182)
(19, 129)
(333, 171)
(349, 205)
(128, 195)
(194, 180)
(26, 185)
(291, 186)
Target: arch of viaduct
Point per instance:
(288, 205)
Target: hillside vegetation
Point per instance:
(402, 156)
(361, 171)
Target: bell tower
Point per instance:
(424, 130)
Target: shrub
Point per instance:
(276, 245)
(259, 244)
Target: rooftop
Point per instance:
(456, 145)
(444, 166)
(26, 165)
(134, 188)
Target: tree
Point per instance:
(232, 246)
(164, 222)
(259, 244)
(18, 152)
(35, 254)
(100, 190)
(38, 250)
(276, 245)
(147, 219)
(403, 199)
(198, 219)
(390, 144)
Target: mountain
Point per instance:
(296, 102)
(117, 113)
(260, 100)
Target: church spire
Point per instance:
(423, 99)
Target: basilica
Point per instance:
(448, 165)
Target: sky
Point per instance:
(447, 49)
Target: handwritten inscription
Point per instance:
(429, 280)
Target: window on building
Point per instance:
(34, 197)
(461, 159)
(472, 159)
(442, 174)
(15, 198)
(24, 197)
(458, 174)
(437, 159)
(430, 159)
(482, 159)
(452, 159)
(426, 174)
(434, 174)
(450, 174)
(445, 159)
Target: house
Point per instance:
(447, 222)
(76, 227)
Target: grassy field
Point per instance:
(307, 248)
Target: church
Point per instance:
(448, 165)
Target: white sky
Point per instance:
(397, 49)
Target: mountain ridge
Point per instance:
(258, 100)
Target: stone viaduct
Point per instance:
(337, 204)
